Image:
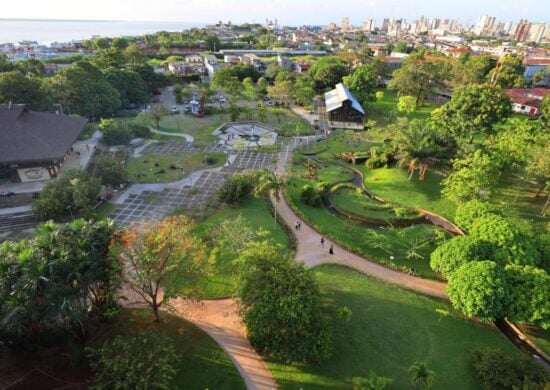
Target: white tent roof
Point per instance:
(335, 98)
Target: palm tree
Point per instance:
(268, 184)
(421, 374)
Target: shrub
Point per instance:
(323, 187)
(235, 190)
(460, 250)
(469, 212)
(479, 289)
(372, 382)
(310, 196)
(146, 360)
(114, 133)
(109, 170)
(138, 130)
(379, 157)
(497, 370)
(401, 212)
(281, 306)
(75, 191)
(512, 245)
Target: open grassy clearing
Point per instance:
(390, 329)
(203, 363)
(385, 111)
(167, 167)
(223, 282)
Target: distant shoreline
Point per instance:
(60, 20)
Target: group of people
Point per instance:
(298, 227)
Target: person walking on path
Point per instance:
(296, 225)
(323, 242)
(331, 249)
(299, 225)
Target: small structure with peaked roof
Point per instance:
(342, 106)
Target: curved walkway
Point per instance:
(220, 319)
(187, 137)
(312, 253)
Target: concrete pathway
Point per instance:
(312, 253)
(187, 137)
(220, 319)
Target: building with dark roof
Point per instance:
(34, 145)
(342, 106)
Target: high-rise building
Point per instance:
(522, 31)
(385, 24)
(344, 25)
(369, 25)
(536, 32)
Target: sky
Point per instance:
(289, 12)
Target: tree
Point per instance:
(20, 89)
(235, 190)
(474, 176)
(53, 285)
(280, 304)
(110, 58)
(119, 43)
(469, 212)
(281, 91)
(130, 86)
(508, 73)
(213, 43)
(362, 82)
(310, 195)
(545, 112)
(114, 133)
(406, 104)
(74, 192)
(304, 91)
(268, 184)
(472, 70)
(109, 170)
(499, 370)
(154, 81)
(145, 360)
(513, 246)
(479, 289)
(133, 55)
(418, 77)
(155, 251)
(83, 90)
(460, 250)
(31, 67)
(158, 111)
(421, 374)
(262, 85)
(529, 291)
(249, 88)
(474, 109)
(326, 72)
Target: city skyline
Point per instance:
(467, 11)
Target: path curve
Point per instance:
(312, 253)
(187, 137)
(220, 319)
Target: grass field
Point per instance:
(223, 282)
(149, 167)
(392, 185)
(203, 363)
(385, 110)
(390, 329)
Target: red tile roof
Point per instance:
(536, 61)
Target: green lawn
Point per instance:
(203, 363)
(385, 110)
(289, 123)
(349, 199)
(224, 280)
(390, 329)
(148, 168)
(199, 128)
(351, 235)
(392, 185)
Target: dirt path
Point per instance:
(312, 253)
(220, 319)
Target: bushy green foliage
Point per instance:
(145, 360)
(529, 295)
(114, 133)
(327, 72)
(479, 289)
(362, 82)
(130, 86)
(372, 382)
(74, 192)
(497, 370)
(469, 212)
(310, 195)
(139, 130)
(379, 157)
(513, 246)
(109, 170)
(460, 250)
(53, 285)
(281, 306)
(235, 190)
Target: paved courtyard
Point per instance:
(179, 147)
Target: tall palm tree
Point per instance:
(421, 374)
(268, 184)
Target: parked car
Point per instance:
(4, 193)
(222, 99)
(175, 110)
(269, 103)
